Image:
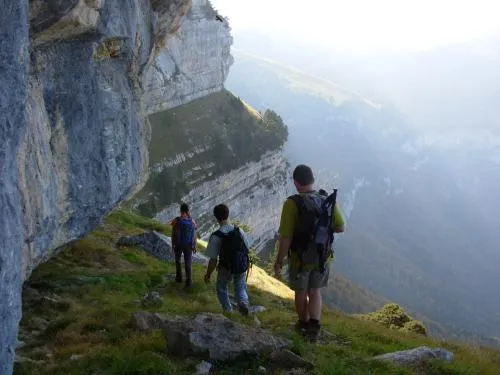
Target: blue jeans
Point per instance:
(224, 277)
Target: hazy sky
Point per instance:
(368, 24)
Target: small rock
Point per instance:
(203, 368)
(252, 310)
(76, 357)
(200, 259)
(152, 299)
(417, 355)
(287, 359)
(146, 321)
(215, 337)
(262, 370)
(256, 309)
(153, 243)
(157, 245)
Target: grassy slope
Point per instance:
(97, 288)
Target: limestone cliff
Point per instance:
(73, 130)
(213, 150)
(196, 56)
(254, 193)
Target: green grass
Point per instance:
(98, 287)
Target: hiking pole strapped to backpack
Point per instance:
(324, 231)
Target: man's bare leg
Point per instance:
(314, 309)
(315, 304)
(302, 305)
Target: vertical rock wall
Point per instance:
(198, 55)
(73, 128)
(254, 194)
(13, 92)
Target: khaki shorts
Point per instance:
(307, 279)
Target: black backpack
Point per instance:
(313, 230)
(233, 255)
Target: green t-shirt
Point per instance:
(290, 217)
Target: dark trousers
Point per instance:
(188, 252)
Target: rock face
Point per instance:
(254, 194)
(414, 356)
(13, 92)
(198, 55)
(73, 127)
(157, 245)
(215, 337)
(146, 322)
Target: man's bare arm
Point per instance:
(284, 246)
(339, 229)
(212, 263)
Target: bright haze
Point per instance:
(362, 25)
(426, 57)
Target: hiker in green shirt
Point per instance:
(308, 267)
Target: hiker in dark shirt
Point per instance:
(184, 242)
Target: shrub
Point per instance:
(394, 316)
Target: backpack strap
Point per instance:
(219, 233)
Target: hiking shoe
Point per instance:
(301, 327)
(243, 309)
(312, 331)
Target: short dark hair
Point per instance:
(221, 212)
(184, 208)
(303, 175)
